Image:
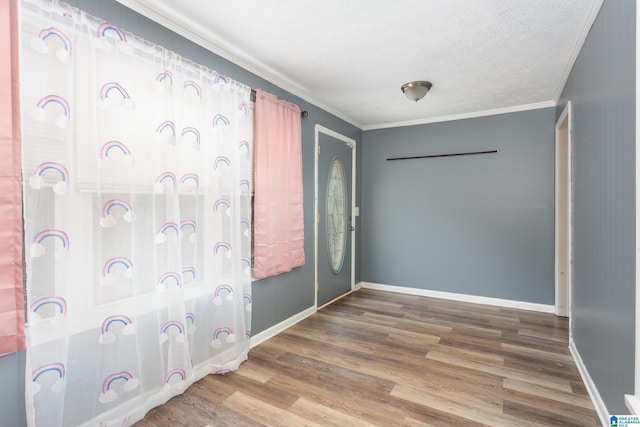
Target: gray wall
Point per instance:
(12, 409)
(602, 89)
(479, 225)
(277, 298)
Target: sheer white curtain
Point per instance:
(137, 206)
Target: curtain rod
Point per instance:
(304, 113)
(444, 155)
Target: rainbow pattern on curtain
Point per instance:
(137, 167)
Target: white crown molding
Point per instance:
(591, 17)
(471, 115)
(166, 17)
(208, 40)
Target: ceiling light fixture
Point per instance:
(415, 91)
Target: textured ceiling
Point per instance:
(352, 56)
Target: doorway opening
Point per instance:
(563, 215)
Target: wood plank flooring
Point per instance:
(383, 359)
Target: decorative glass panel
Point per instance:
(336, 223)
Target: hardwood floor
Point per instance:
(386, 359)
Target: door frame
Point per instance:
(563, 155)
(633, 400)
(351, 143)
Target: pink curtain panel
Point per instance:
(278, 210)
(11, 295)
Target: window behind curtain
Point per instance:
(137, 166)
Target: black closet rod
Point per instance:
(303, 113)
(444, 155)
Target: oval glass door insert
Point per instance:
(336, 216)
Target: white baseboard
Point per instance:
(598, 403)
(633, 403)
(522, 305)
(277, 328)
